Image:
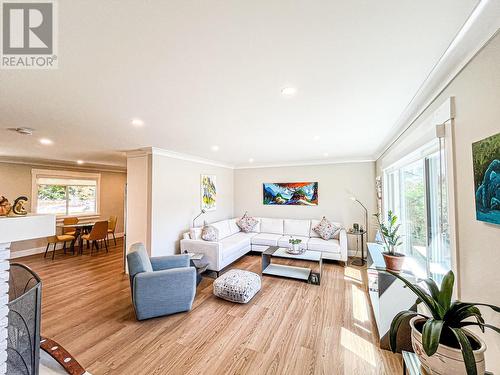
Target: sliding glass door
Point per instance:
(416, 192)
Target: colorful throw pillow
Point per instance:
(247, 223)
(209, 233)
(326, 229)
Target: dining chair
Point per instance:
(55, 240)
(98, 233)
(112, 226)
(68, 221)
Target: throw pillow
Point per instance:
(209, 233)
(247, 223)
(326, 229)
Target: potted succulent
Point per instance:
(295, 242)
(439, 339)
(393, 260)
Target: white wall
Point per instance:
(477, 91)
(336, 182)
(174, 188)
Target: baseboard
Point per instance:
(38, 250)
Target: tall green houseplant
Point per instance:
(390, 232)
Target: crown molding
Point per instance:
(176, 155)
(60, 164)
(481, 26)
(306, 163)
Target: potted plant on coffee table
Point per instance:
(393, 260)
(439, 339)
(295, 242)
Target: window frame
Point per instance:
(49, 173)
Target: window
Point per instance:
(65, 193)
(415, 190)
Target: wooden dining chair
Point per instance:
(55, 240)
(98, 233)
(112, 226)
(68, 221)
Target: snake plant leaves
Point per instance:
(467, 354)
(446, 290)
(431, 334)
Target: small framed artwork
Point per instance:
(486, 162)
(208, 189)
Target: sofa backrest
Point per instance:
(226, 228)
(138, 260)
(268, 225)
(294, 227)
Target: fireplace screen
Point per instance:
(23, 345)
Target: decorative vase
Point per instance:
(447, 360)
(394, 262)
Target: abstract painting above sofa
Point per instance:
(291, 193)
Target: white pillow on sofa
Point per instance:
(274, 226)
(195, 233)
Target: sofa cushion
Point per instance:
(283, 241)
(247, 223)
(195, 233)
(233, 244)
(209, 233)
(319, 244)
(274, 226)
(296, 227)
(315, 222)
(233, 226)
(223, 228)
(268, 239)
(326, 229)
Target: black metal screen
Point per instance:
(23, 344)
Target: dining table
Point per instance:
(80, 228)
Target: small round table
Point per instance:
(359, 233)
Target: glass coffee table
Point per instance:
(293, 272)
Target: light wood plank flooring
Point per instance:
(290, 327)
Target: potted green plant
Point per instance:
(295, 242)
(439, 339)
(393, 260)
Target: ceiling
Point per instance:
(201, 74)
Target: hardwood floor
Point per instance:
(289, 327)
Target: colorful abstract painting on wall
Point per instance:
(291, 194)
(486, 161)
(208, 193)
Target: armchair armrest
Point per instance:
(169, 261)
(211, 250)
(164, 292)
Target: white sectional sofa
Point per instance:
(233, 243)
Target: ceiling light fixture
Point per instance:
(250, 160)
(316, 137)
(325, 154)
(215, 148)
(137, 122)
(45, 141)
(288, 91)
(22, 131)
(80, 162)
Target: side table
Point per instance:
(196, 261)
(359, 234)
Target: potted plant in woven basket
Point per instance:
(439, 338)
(393, 260)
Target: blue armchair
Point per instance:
(160, 285)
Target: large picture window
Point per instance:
(65, 193)
(415, 190)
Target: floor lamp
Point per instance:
(362, 260)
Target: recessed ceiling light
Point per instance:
(250, 160)
(288, 91)
(215, 148)
(316, 137)
(45, 141)
(80, 162)
(325, 154)
(137, 122)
